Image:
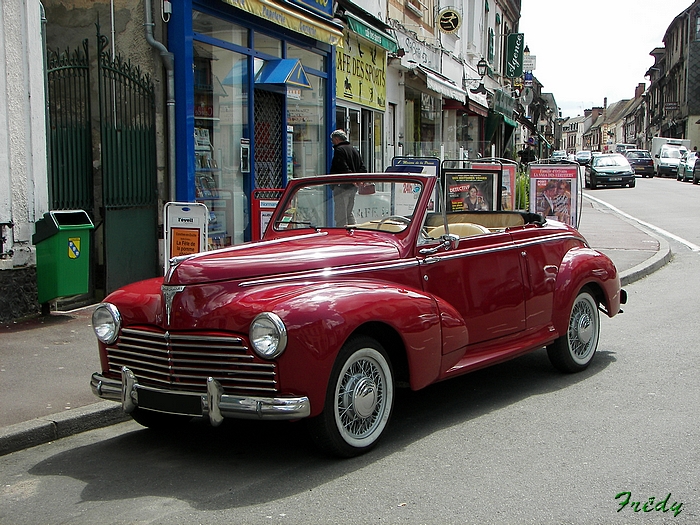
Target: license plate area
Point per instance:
(615, 179)
(170, 402)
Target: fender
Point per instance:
(321, 316)
(581, 266)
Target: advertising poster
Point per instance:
(471, 190)
(554, 191)
(508, 183)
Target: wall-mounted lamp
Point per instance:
(481, 68)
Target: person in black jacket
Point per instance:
(346, 159)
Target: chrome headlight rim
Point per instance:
(273, 324)
(103, 331)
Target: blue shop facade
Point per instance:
(255, 102)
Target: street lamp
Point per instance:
(481, 68)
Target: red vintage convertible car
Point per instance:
(322, 321)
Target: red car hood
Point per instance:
(284, 256)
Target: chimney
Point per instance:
(639, 91)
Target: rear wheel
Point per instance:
(594, 183)
(633, 182)
(574, 351)
(359, 400)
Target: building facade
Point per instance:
(244, 95)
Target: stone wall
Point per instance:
(18, 294)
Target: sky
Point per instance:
(586, 51)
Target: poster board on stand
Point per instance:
(186, 229)
(509, 173)
(471, 189)
(554, 192)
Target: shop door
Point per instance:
(269, 144)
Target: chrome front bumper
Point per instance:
(214, 404)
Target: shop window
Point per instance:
(268, 45)
(220, 29)
(308, 58)
(307, 130)
(220, 120)
(422, 124)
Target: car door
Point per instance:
(482, 279)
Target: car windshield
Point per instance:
(368, 205)
(583, 155)
(638, 155)
(671, 153)
(610, 160)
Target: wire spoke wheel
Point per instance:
(359, 400)
(574, 351)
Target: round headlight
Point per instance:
(268, 335)
(106, 322)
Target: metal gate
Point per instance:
(70, 134)
(129, 182)
(268, 139)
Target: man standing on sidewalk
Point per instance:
(346, 159)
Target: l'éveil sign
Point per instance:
(514, 50)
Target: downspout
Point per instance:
(168, 62)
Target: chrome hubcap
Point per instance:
(362, 396)
(584, 329)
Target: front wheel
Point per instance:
(574, 351)
(359, 400)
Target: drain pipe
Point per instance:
(168, 62)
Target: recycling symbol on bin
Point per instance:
(74, 247)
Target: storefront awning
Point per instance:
(291, 18)
(441, 84)
(371, 33)
(288, 71)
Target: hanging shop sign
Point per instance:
(449, 20)
(514, 55)
(361, 72)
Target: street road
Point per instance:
(516, 443)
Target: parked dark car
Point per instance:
(641, 162)
(609, 169)
(583, 157)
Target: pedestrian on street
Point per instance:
(346, 159)
(527, 154)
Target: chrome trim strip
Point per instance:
(229, 406)
(332, 272)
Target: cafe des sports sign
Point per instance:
(361, 72)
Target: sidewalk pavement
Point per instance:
(46, 363)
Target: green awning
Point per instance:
(510, 121)
(372, 34)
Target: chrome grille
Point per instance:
(184, 361)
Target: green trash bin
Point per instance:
(62, 241)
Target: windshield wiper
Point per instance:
(308, 224)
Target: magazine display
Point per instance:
(469, 190)
(553, 190)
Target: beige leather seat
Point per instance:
(463, 229)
